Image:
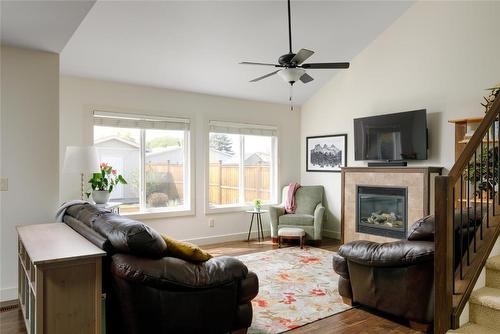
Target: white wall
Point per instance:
(29, 154)
(79, 95)
(437, 55)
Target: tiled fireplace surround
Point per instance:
(419, 182)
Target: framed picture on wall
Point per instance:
(326, 153)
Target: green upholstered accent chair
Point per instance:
(308, 214)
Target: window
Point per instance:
(152, 154)
(242, 164)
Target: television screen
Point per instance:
(391, 137)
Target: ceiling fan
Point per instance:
(292, 64)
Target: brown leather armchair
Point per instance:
(395, 277)
(148, 291)
(398, 277)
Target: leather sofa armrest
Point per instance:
(173, 272)
(274, 213)
(340, 266)
(391, 254)
(249, 288)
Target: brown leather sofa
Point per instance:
(149, 292)
(398, 277)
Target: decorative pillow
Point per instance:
(422, 229)
(185, 250)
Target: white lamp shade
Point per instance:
(81, 159)
(291, 74)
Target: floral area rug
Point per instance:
(296, 287)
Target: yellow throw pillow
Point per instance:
(185, 250)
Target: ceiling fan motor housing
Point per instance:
(286, 59)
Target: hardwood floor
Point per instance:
(356, 320)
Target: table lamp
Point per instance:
(82, 160)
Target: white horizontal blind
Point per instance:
(243, 129)
(122, 120)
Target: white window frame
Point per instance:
(239, 207)
(188, 209)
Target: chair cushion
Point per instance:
(291, 232)
(185, 250)
(296, 219)
(307, 198)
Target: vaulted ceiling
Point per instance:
(197, 45)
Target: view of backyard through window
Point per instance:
(241, 169)
(153, 163)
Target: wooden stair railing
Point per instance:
(468, 194)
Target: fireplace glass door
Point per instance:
(382, 211)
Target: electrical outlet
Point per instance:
(4, 184)
(211, 222)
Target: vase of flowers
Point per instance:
(257, 205)
(103, 183)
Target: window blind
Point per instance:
(122, 120)
(243, 129)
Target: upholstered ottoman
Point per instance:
(291, 233)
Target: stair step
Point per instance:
(471, 328)
(493, 263)
(485, 307)
(493, 277)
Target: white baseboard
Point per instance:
(332, 234)
(215, 239)
(7, 294)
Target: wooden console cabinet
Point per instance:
(59, 280)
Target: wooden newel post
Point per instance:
(443, 255)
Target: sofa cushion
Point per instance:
(169, 271)
(296, 219)
(124, 235)
(307, 198)
(185, 250)
(422, 229)
(130, 236)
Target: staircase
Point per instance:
(463, 244)
(484, 303)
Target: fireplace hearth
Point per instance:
(382, 211)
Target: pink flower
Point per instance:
(113, 171)
(309, 259)
(284, 277)
(103, 165)
(261, 302)
(317, 292)
(288, 300)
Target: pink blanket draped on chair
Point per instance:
(290, 204)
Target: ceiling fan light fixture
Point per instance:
(291, 75)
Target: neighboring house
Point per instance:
(124, 156)
(252, 160)
(162, 155)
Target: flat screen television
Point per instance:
(391, 137)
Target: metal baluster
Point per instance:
(488, 178)
(493, 182)
(481, 189)
(461, 225)
(468, 214)
(475, 199)
(453, 239)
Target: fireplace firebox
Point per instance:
(382, 211)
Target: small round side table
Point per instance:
(260, 231)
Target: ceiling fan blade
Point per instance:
(305, 78)
(301, 56)
(264, 76)
(326, 65)
(264, 64)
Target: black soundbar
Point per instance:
(388, 164)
